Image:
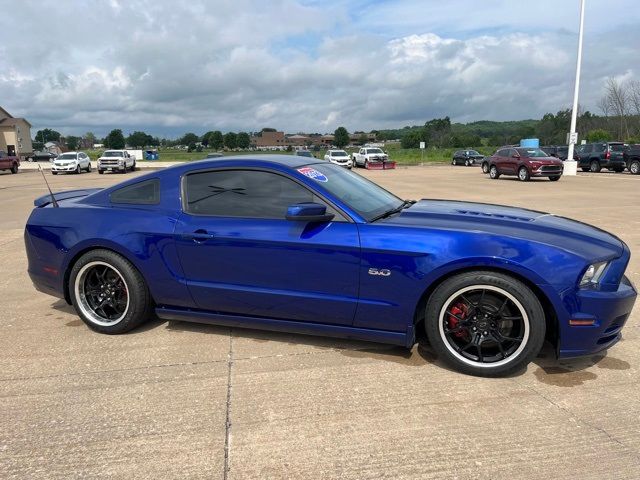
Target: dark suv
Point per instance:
(558, 151)
(466, 157)
(632, 158)
(524, 163)
(592, 157)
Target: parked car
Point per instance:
(466, 157)
(293, 244)
(38, 156)
(71, 162)
(632, 158)
(116, 161)
(593, 157)
(9, 162)
(304, 153)
(339, 157)
(525, 163)
(369, 155)
(214, 155)
(558, 151)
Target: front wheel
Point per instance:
(485, 323)
(78, 170)
(133, 167)
(89, 168)
(523, 174)
(14, 169)
(100, 171)
(108, 293)
(555, 178)
(634, 167)
(493, 172)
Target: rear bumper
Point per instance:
(615, 163)
(609, 312)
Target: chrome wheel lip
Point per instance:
(81, 299)
(462, 358)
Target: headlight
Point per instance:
(593, 274)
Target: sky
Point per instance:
(168, 67)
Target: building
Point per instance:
(15, 135)
(269, 140)
(298, 140)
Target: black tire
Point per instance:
(124, 284)
(510, 341)
(555, 178)
(54, 173)
(523, 174)
(594, 166)
(89, 168)
(453, 162)
(133, 167)
(100, 171)
(366, 164)
(634, 167)
(78, 170)
(14, 169)
(585, 169)
(493, 172)
(467, 163)
(485, 167)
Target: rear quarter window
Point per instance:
(143, 193)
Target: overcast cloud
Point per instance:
(169, 67)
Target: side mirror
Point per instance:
(308, 212)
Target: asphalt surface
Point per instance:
(177, 400)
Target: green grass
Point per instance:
(404, 156)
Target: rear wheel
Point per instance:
(485, 167)
(108, 293)
(634, 167)
(485, 323)
(453, 162)
(467, 163)
(493, 172)
(594, 166)
(523, 174)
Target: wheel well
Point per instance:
(551, 319)
(67, 273)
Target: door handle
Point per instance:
(199, 236)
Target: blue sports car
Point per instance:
(300, 245)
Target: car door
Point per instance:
(241, 256)
(500, 160)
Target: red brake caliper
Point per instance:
(460, 310)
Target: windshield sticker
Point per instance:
(313, 173)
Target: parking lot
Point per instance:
(177, 400)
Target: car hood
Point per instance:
(564, 233)
(64, 160)
(544, 160)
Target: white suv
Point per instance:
(71, 162)
(339, 157)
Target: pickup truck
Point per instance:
(116, 161)
(372, 158)
(9, 162)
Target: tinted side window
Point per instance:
(143, 193)
(503, 153)
(587, 149)
(599, 147)
(243, 193)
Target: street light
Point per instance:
(571, 166)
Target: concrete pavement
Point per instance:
(177, 400)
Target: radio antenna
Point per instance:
(53, 199)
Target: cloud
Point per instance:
(168, 68)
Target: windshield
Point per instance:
(67, 156)
(113, 154)
(531, 152)
(339, 153)
(374, 150)
(363, 196)
(472, 152)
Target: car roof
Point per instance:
(267, 160)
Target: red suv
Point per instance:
(524, 163)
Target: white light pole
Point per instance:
(570, 165)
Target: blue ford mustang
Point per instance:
(282, 243)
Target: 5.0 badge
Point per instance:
(380, 271)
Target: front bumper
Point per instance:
(111, 167)
(345, 163)
(609, 312)
(67, 168)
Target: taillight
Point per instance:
(608, 155)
